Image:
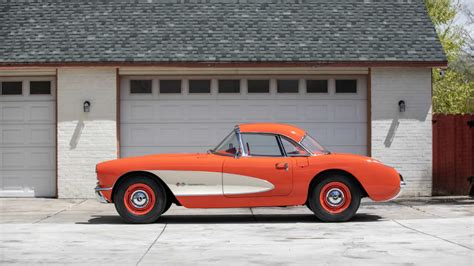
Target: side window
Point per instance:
(229, 146)
(292, 149)
(261, 145)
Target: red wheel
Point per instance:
(335, 197)
(139, 199)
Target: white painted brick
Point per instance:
(84, 139)
(404, 140)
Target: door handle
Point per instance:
(282, 166)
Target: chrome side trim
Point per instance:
(102, 188)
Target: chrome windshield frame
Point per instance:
(241, 152)
(308, 150)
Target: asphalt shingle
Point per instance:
(216, 31)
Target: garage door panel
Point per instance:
(11, 113)
(348, 149)
(27, 112)
(138, 151)
(170, 112)
(11, 136)
(43, 136)
(191, 134)
(22, 135)
(229, 112)
(338, 134)
(315, 112)
(201, 112)
(43, 113)
(178, 134)
(26, 183)
(349, 112)
(256, 112)
(249, 110)
(27, 158)
(140, 112)
(12, 159)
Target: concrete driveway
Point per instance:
(427, 231)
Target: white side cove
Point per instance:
(200, 183)
(241, 184)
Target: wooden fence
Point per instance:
(453, 154)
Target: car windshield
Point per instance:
(313, 145)
(229, 146)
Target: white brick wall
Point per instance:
(84, 139)
(403, 140)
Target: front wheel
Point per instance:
(335, 198)
(140, 199)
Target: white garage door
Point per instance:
(176, 114)
(27, 137)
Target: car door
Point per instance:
(262, 170)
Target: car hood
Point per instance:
(145, 161)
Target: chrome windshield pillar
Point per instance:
(241, 151)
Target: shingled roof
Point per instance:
(217, 31)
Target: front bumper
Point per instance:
(98, 193)
(403, 184)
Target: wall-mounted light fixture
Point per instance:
(442, 72)
(401, 106)
(87, 106)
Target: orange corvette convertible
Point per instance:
(256, 165)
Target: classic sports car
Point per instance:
(256, 165)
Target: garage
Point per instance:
(167, 114)
(27, 137)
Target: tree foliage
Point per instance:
(452, 92)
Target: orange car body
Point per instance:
(209, 180)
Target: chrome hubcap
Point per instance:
(139, 199)
(335, 197)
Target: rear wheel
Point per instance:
(335, 198)
(140, 199)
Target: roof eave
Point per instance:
(388, 63)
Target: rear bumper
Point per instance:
(99, 194)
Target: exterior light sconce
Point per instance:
(442, 72)
(401, 106)
(87, 106)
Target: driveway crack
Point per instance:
(418, 209)
(152, 244)
(58, 212)
(434, 236)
